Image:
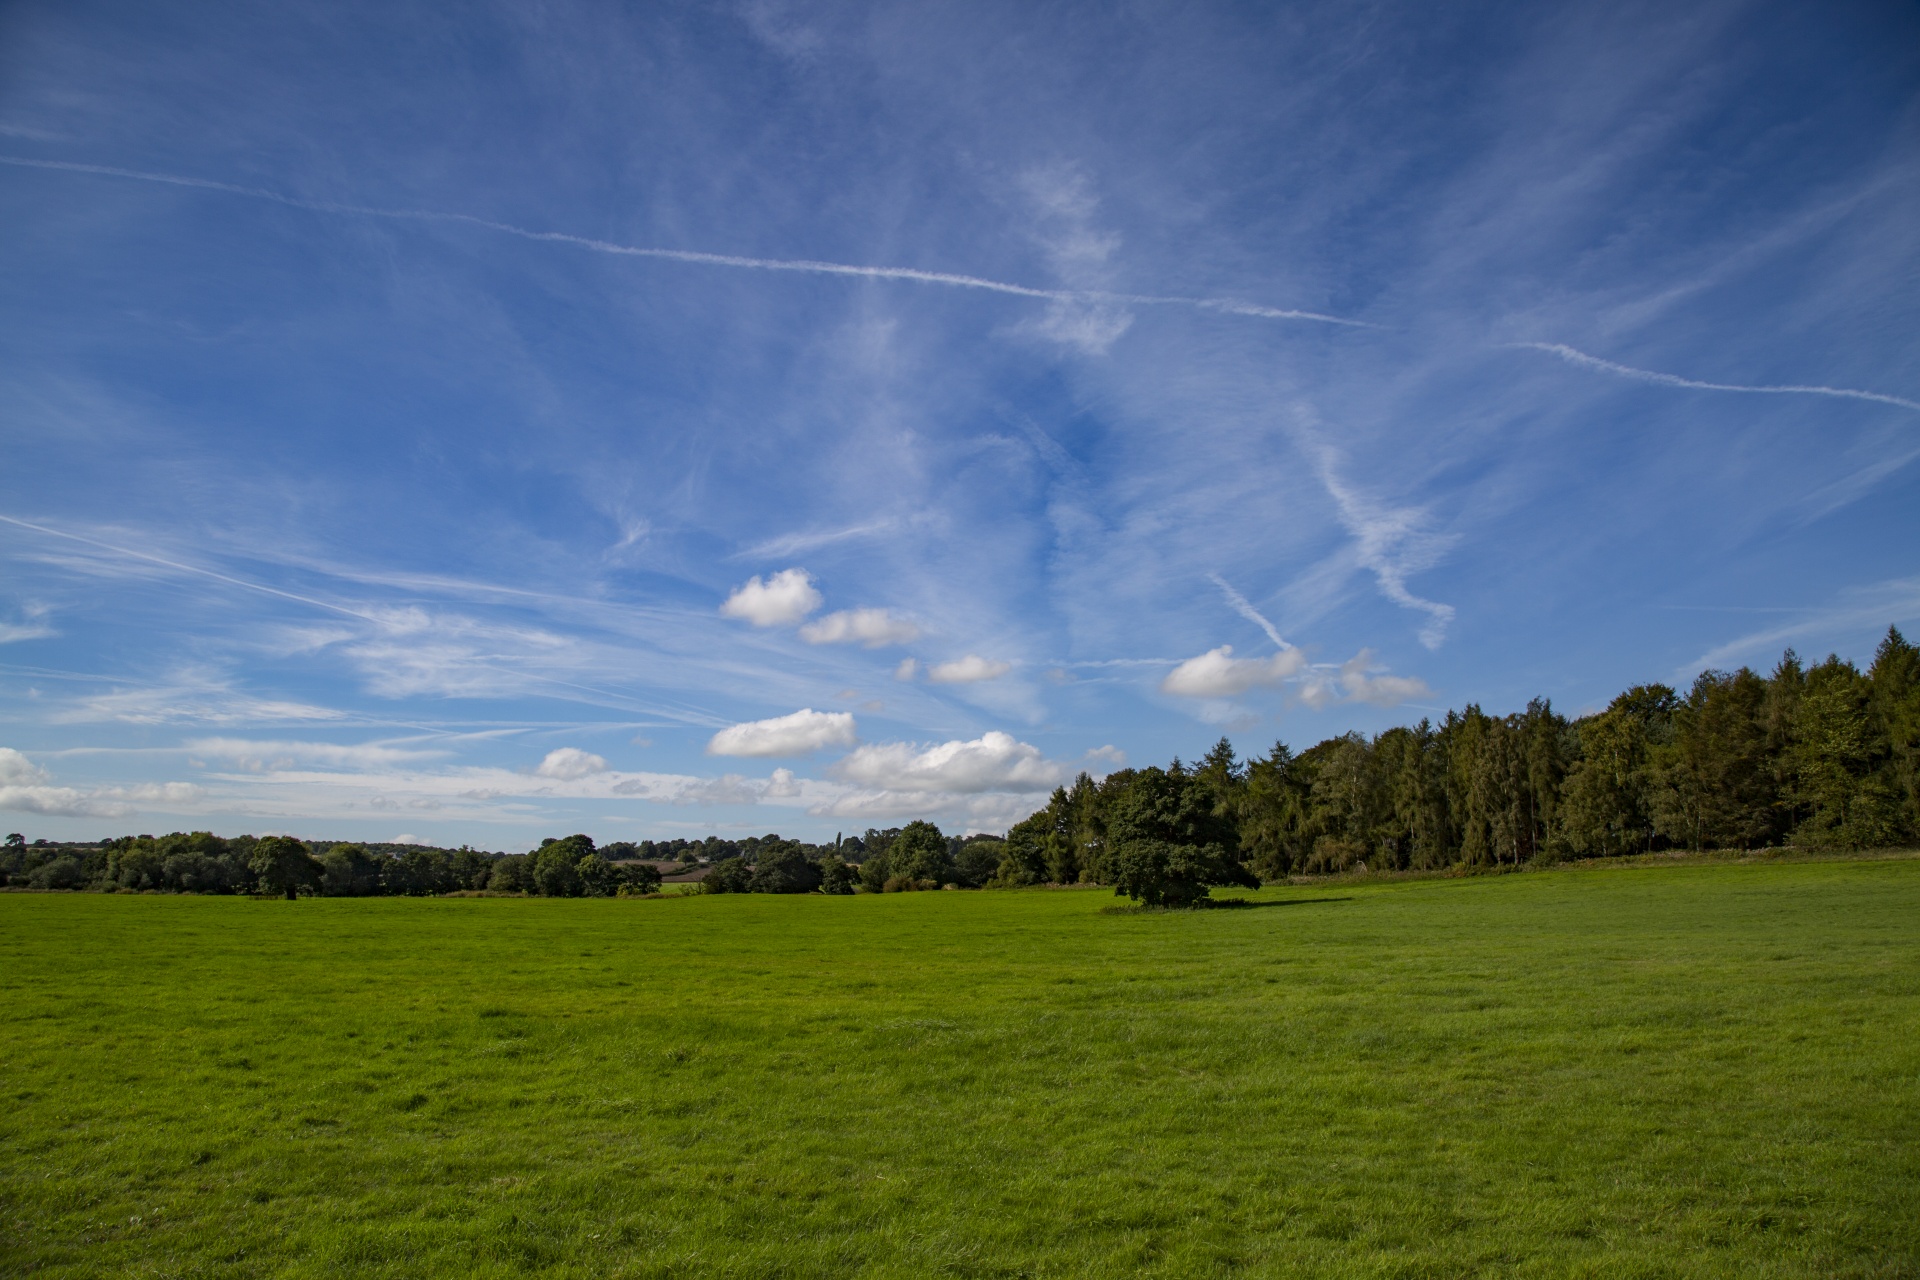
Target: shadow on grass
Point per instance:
(1214, 904)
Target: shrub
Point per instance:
(63, 872)
(729, 875)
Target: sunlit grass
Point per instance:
(1709, 1070)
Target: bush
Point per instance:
(63, 872)
(729, 875)
(979, 860)
(836, 877)
(638, 878)
(512, 874)
(784, 868)
(907, 884)
(349, 871)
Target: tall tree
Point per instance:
(284, 866)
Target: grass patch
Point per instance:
(1707, 1070)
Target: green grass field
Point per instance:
(1708, 1070)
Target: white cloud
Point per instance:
(569, 764)
(729, 788)
(161, 793)
(1218, 674)
(59, 802)
(907, 670)
(1394, 542)
(994, 761)
(782, 600)
(1361, 679)
(793, 735)
(16, 769)
(783, 784)
(25, 788)
(968, 670)
(251, 753)
(873, 628)
(31, 628)
(190, 700)
(1108, 754)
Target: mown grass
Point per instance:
(1687, 1071)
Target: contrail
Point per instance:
(1586, 361)
(1246, 610)
(807, 266)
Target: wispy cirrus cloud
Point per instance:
(1585, 361)
(1394, 542)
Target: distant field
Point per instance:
(1683, 1071)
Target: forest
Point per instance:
(1819, 757)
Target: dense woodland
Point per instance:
(1822, 756)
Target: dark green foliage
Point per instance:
(978, 859)
(596, 876)
(556, 867)
(350, 872)
(284, 866)
(876, 871)
(783, 867)
(1173, 839)
(729, 875)
(1716, 788)
(638, 878)
(512, 874)
(64, 872)
(837, 877)
(1819, 757)
(919, 853)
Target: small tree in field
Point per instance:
(1171, 844)
(284, 866)
(919, 852)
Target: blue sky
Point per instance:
(478, 423)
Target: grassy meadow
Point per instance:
(1679, 1071)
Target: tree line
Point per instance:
(1826, 756)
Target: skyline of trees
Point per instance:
(1826, 756)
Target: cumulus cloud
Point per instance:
(968, 670)
(781, 601)
(568, 764)
(994, 761)
(873, 628)
(1218, 674)
(15, 768)
(26, 788)
(804, 731)
(1361, 679)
